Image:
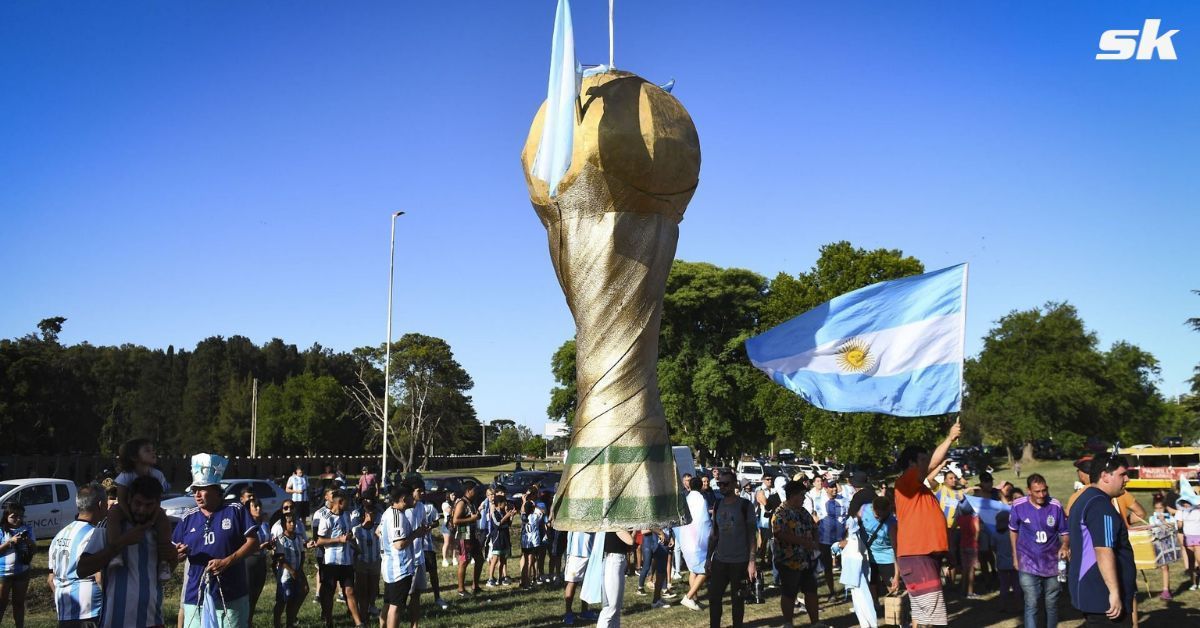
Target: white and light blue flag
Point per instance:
(894, 347)
(558, 126)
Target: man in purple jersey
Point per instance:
(1039, 541)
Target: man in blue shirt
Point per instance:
(831, 530)
(215, 536)
(1101, 576)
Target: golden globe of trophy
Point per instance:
(612, 229)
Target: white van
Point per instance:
(49, 503)
(749, 472)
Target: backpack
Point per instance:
(773, 502)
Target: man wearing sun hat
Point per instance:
(215, 536)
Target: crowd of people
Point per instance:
(376, 551)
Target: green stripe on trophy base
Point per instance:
(590, 514)
(619, 454)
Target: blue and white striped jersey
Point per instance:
(133, 596)
(416, 518)
(75, 598)
(397, 563)
(532, 529)
(9, 565)
(332, 526)
(366, 545)
(291, 549)
(580, 543)
(301, 532)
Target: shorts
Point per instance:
(530, 551)
(397, 593)
(17, 577)
(1189, 540)
(793, 582)
(923, 579)
(342, 575)
(91, 622)
(576, 568)
(827, 558)
(969, 558)
(468, 549)
(235, 614)
(885, 573)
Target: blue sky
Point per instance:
(172, 171)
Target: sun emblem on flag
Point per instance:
(855, 356)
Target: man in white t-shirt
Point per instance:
(297, 485)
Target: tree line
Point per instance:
(1041, 373)
(83, 398)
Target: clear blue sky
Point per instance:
(175, 170)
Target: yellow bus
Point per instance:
(1152, 468)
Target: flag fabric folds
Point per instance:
(558, 129)
(894, 347)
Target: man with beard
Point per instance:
(132, 591)
(215, 537)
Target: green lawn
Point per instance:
(506, 606)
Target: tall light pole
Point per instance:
(387, 351)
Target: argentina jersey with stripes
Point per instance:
(397, 563)
(75, 598)
(332, 526)
(133, 596)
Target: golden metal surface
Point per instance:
(612, 231)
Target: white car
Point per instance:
(49, 503)
(749, 471)
(269, 493)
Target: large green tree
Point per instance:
(704, 377)
(428, 397)
(1041, 375)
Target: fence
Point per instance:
(82, 468)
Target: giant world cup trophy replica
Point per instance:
(612, 225)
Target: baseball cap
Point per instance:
(859, 479)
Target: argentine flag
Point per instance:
(894, 347)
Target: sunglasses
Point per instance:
(719, 483)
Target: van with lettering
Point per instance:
(49, 503)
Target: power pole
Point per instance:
(254, 419)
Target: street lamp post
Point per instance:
(387, 351)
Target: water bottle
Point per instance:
(1062, 570)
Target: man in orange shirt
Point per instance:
(921, 534)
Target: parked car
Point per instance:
(49, 503)
(436, 489)
(518, 482)
(749, 472)
(269, 493)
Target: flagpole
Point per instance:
(611, 63)
(962, 345)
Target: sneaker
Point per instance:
(463, 594)
(490, 583)
(505, 581)
(1194, 587)
(660, 604)
(974, 596)
(569, 619)
(690, 603)
(1166, 595)
(589, 615)
(669, 594)
(641, 591)
(445, 563)
(164, 572)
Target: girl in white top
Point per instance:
(137, 460)
(447, 508)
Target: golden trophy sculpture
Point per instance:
(612, 227)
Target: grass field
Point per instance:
(507, 606)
